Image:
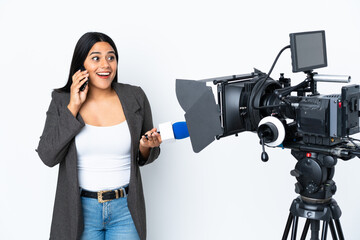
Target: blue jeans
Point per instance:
(107, 221)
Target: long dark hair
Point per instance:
(82, 48)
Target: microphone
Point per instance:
(172, 131)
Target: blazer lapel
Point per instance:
(131, 109)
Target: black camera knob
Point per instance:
(312, 188)
(295, 173)
(333, 189)
(298, 188)
(330, 187)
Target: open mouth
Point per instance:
(103, 74)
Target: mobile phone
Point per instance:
(82, 88)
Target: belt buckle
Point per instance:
(100, 196)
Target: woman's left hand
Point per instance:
(153, 139)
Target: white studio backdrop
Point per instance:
(225, 191)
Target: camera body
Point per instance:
(317, 119)
(326, 119)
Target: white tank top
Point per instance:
(103, 157)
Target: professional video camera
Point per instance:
(315, 127)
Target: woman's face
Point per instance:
(101, 64)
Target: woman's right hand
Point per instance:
(77, 97)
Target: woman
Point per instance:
(96, 132)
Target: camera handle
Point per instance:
(283, 92)
(310, 83)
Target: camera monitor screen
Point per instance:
(308, 50)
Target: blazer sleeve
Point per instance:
(60, 129)
(147, 125)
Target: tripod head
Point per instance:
(314, 173)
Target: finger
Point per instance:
(80, 83)
(81, 72)
(76, 74)
(154, 136)
(75, 87)
(150, 139)
(158, 137)
(82, 76)
(144, 139)
(79, 76)
(148, 134)
(155, 142)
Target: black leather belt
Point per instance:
(105, 196)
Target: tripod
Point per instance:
(314, 173)
(314, 211)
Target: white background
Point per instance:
(224, 192)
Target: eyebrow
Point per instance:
(100, 52)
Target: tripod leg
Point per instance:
(338, 227)
(324, 230)
(332, 229)
(287, 227)
(315, 227)
(306, 229)
(294, 228)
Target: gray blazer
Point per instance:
(57, 146)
